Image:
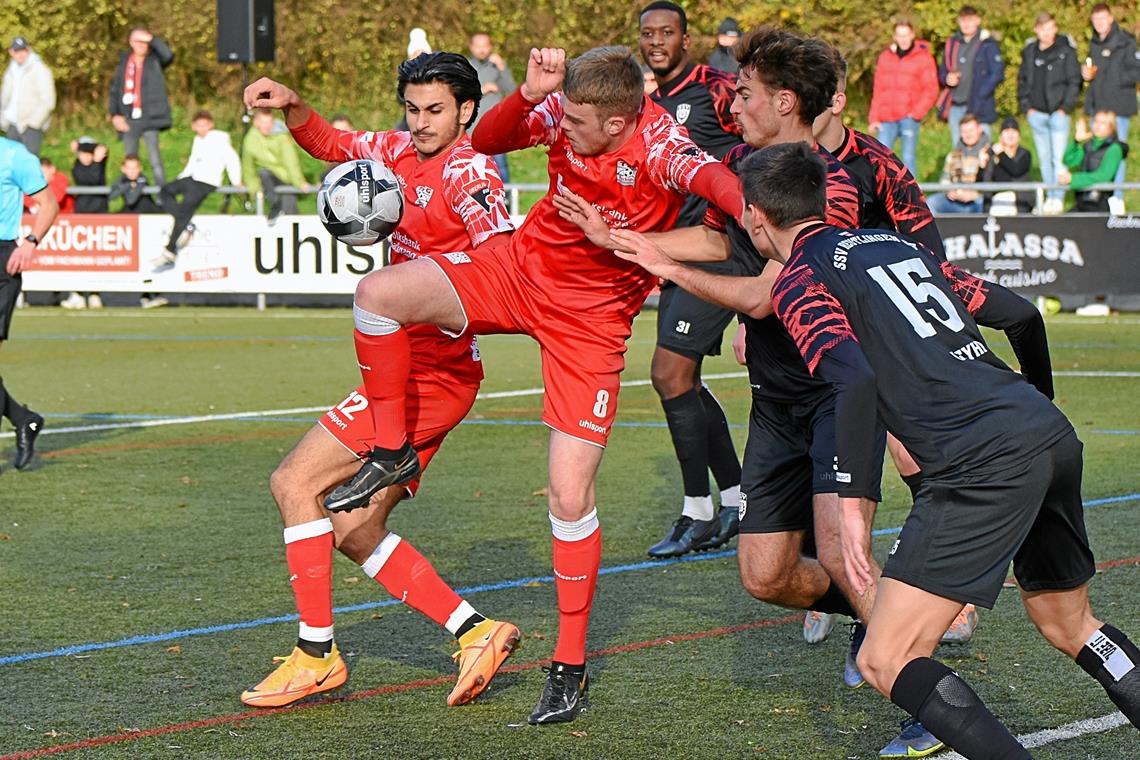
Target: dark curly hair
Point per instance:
(783, 60)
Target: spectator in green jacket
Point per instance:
(269, 159)
(1093, 157)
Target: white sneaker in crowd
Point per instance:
(74, 301)
(153, 303)
(94, 301)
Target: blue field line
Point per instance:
(157, 638)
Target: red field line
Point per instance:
(172, 728)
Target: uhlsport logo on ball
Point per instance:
(360, 202)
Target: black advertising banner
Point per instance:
(1086, 254)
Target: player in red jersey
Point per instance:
(576, 299)
(453, 199)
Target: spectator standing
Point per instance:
(971, 70)
(1048, 84)
(1094, 157)
(963, 164)
(27, 96)
(496, 82)
(269, 160)
(130, 186)
(138, 104)
(211, 155)
(905, 89)
(58, 184)
(1112, 70)
(20, 175)
(726, 36)
(1009, 163)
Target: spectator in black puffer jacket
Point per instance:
(138, 104)
(1047, 88)
(1112, 70)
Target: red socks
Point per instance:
(385, 356)
(577, 559)
(407, 575)
(308, 550)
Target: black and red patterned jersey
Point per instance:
(940, 390)
(775, 369)
(890, 198)
(700, 99)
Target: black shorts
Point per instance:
(9, 288)
(965, 529)
(790, 457)
(689, 326)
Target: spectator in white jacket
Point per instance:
(27, 96)
(210, 155)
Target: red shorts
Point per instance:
(434, 405)
(583, 353)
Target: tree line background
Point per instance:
(342, 55)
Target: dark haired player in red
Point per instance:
(883, 320)
(688, 328)
(453, 199)
(576, 299)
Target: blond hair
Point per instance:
(607, 78)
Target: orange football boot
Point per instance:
(298, 676)
(482, 651)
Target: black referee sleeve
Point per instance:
(847, 369)
(1021, 322)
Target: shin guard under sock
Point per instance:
(308, 550)
(949, 709)
(723, 460)
(384, 354)
(1112, 659)
(577, 558)
(685, 415)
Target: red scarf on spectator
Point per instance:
(133, 82)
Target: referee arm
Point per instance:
(41, 223)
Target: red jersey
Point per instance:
(639, 186)
(452, 202)
(58, 184)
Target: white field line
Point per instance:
(137, 424)
(1073, 730)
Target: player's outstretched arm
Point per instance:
(517, 122)
(728, 291)
(994, 306)
(267, 93)
(686, 244)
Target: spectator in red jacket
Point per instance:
(58, 183)
(906, 87)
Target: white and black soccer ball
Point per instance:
(360, 202)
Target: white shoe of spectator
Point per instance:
(163, 261)
(1116, 206)
(1053, 206)
(153, 303)
(20, 301)
(94, 301)
(74, 301)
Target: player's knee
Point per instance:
(763, 582)
(569, 503)
(670, 378)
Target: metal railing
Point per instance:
(515, 189)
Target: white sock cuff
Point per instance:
(575, 530)
(373, 324)
(698, 508)
(308, 530)
(380, 555)
(459, 617)
(730, 497)
(314, 633)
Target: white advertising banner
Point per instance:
(227, 254)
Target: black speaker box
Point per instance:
(245, 31)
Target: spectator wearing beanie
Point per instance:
(905, 88)
(726, 36)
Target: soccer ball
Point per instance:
(360, 202)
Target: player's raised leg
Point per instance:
(415, 293)
(577, 559)
(903, 631)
